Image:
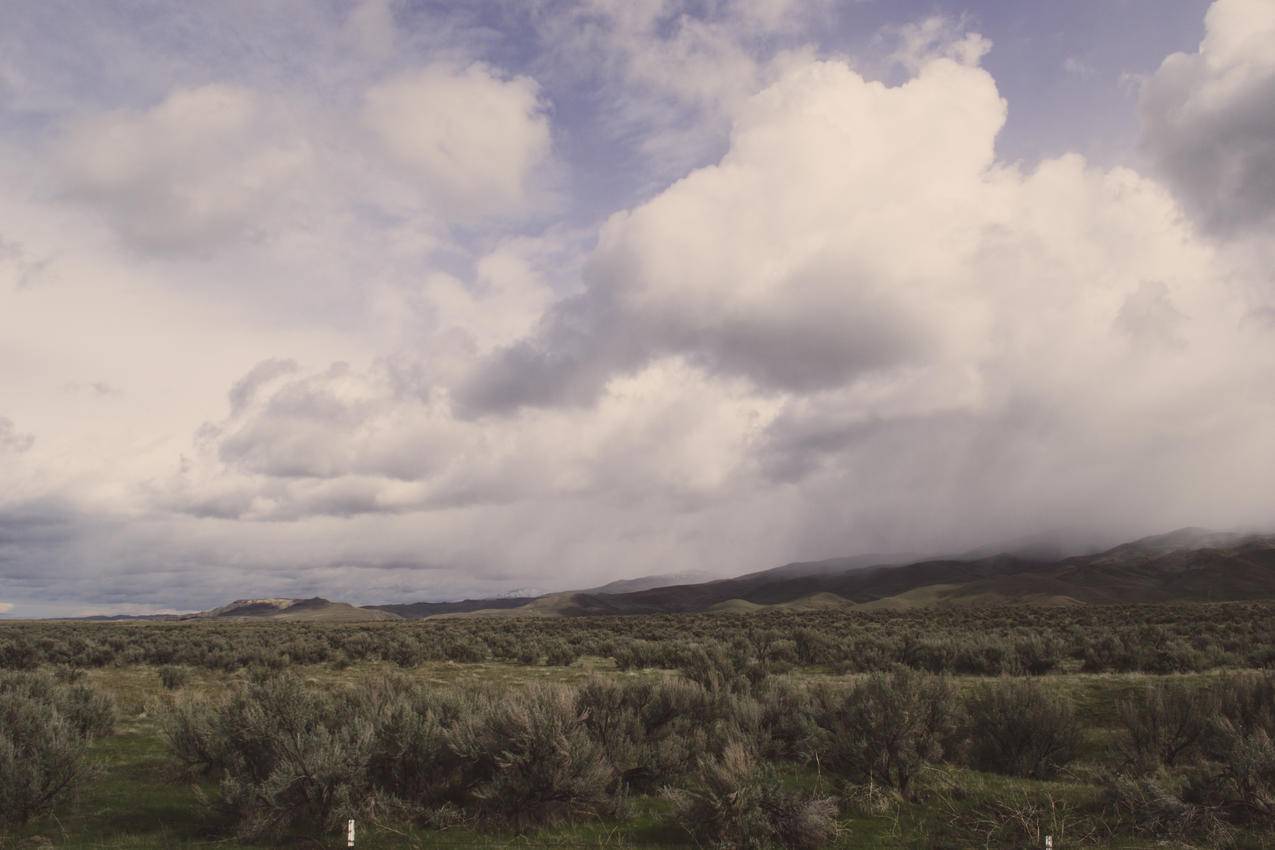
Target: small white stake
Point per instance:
(349, 833)
(1049, 841)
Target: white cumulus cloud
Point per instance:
(478, 140)
(190, 172)
(1209, 118)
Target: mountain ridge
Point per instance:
(312, 609)
(1187, 564)
(1191, 563)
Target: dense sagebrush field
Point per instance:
(1012, 639)
(1112, 726)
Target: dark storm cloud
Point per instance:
(820, 328)
(41, 523)
(566, 362)
(945, 451)
(806, 342)
(192, 565)
(41, 544)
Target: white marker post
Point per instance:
(349, 833)
(1049, 841)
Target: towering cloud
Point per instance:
(823, 247)
(857, 302)
(1209, 119)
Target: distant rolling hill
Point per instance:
(316, 609)
(529, 606)
(632, 585)
(421, 610)
(1190, 564)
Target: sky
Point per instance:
(390, 301)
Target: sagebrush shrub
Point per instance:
(173, 677)
(1149, 806)
(532, 759)
(90, 713)
(711, 666)
(42, 759)
(1014, 817)
(193, 732)
(650, 731)
(559, 653)
(287, 755)
(1162, 724)
(412, 756)
(316, 779)
(1019, 728)
(291, 756)
(19, 653)
(1108, 653)
(738, 803)
(887, 728)
(787, 729)
(68, 675)
(1238, 746)
(1037, 655)
(45, 730)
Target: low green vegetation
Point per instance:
(733, 732)
(984, 641)
(46, 726)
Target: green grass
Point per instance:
(139, 800)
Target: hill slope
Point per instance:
(421, 610)
(632, 585)
(316, 609)
(1190, 564)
